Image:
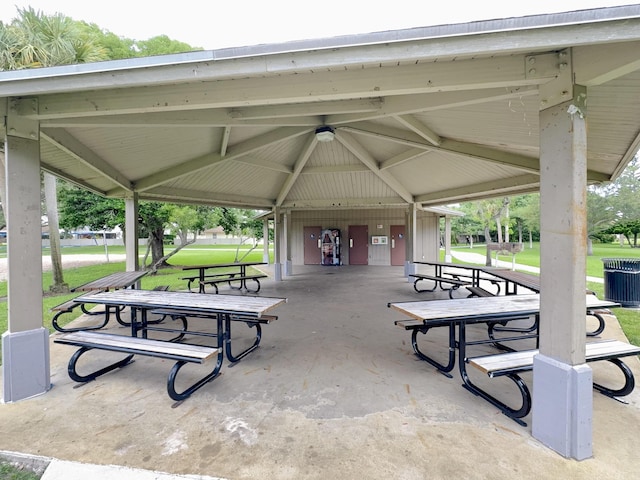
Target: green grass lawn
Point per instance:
(531, 256)
(13, 472)
(629, 318)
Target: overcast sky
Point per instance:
(213, 24)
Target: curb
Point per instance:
(54, 469)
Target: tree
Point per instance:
(187, 219)
(615, 208)
(630, 230)
(161, 45)
(35, 40)
(51, 201)
(119, 48)
(80, 208)
(502, 212)
(466, 226)
(116, 48)
(183, 220)
(243, 224)
(526, 213)
(600, 215)
(626, 201)
(153, 218)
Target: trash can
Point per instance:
(622, 281)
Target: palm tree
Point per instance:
(34, 40)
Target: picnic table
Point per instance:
(444, 272)
(514, 279)
(459, 313)
(531, 282)
(113, 281)
(208, 306)
(209, 274)
(221, 310)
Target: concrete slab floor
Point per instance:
(334, 391)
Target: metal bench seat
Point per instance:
(234, 278)
(179, 352)
(511, 364)
(438, 281)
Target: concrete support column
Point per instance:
(265, 241)
(286, 222)
(131, 233)
(447, 239)
(562, 382)
(25, 344)
(409, 266)
(277, 265)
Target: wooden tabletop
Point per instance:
(470, 266)
(479, 307)
(206, 303)
(222, 265)
(112, 282)
(527, 280)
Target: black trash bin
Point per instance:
(622, 281)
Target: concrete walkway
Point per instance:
(478, 259)
(334, 391)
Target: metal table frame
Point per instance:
(220, 308)
(474, 273)
(113, 281)
(241, 273)
(490, 310)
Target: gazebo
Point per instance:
(377, 130)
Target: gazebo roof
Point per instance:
(431, 115)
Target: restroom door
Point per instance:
(358, 245)
(398, 246)
(312, 254)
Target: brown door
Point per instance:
(358, 245)
(312, 253)
(398, 249)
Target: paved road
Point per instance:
(68, 261)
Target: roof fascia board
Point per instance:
(290, 115)
(4, 111)
(502, 36)
(431, 102)
(483, 73)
